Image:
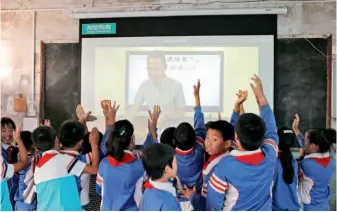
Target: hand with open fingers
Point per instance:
(83, 116)
(94, 136)
(112, 111)
(197, 89)
(17, 134)
(153, 119)
(257, 86)
(105, 104)
(219, 116)
(242, 96)
(296, 122)
(187, 192)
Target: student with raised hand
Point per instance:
(161, 165)
(238, 107)
(55, 173)
(71, 137)
(316, 168)
(285, 184)
(190, 151)
(25, 197)
(247, 186)
(8, 170)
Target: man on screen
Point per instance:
(160, 90)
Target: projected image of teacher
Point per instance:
(160, 90)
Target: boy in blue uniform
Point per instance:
(54, 174)
(25, 197)
(71, 137)
(161, 165)
(7, 171)
(243, 179)
(190, 150)
(316, 169)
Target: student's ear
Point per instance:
(167, 169)
(228, 144)
(57, 144)
(237, 141)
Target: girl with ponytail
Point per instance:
(316, 169)
(286, 174)
(120, 173)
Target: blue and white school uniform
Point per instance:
(25, 197)
(83, 181)
(285, 196)
(7, 172)
(159, 196)
(13, 181)
(243, 179)
(315, 172)
(190, 162)
(116, 182)
(55, 181)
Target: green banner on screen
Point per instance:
(99, 29)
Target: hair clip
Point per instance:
(122, 132)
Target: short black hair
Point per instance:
(331, 135)
(44, 138)
(208, 124)
(86, 146)
(184, 136)
(156, 157)
(318, 137)
(7, 122)
(167, 137)
(224, 127)
(71, 132)
(120, 139)
(26, 138)
(250, 129)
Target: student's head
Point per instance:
(167, 137)
(26, 138)
(44, 139)
(208, 124)
(220, 135)
(156, 65)
(86, 146)
(316, 141)
(249, 132)
(159, 162)
(184, 136)
(121, 138)
(7, 129)
(331, 135)
(287, 139)
(71, 135)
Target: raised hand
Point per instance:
(111, 113)
(153, 119)
(257, 88)
(17, 134)
(296, 124)
(105, 104)
(219, 116)
(94, 136)
(242, 97)
(46, 123)
(196, 92)
(83, 116)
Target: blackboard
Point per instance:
(61, 82)
(300, 82)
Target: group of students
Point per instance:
(244, 164)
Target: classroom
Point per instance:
(161, 105)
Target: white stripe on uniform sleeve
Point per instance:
(99, 180)
(200, 141)
(271, 143)
(218, 184)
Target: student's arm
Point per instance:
(23, 155)
(110, 119)
(242, 109)
(199, 120)
(99, 182)
(217, 187)
(242, 97)
(297, 131)
(267, 114)
(93, 139)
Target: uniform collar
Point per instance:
(250, 157)
(165, 186)
(128, 157)
(184, 152)
(70, 152)
(322, 159)
(5, 146)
